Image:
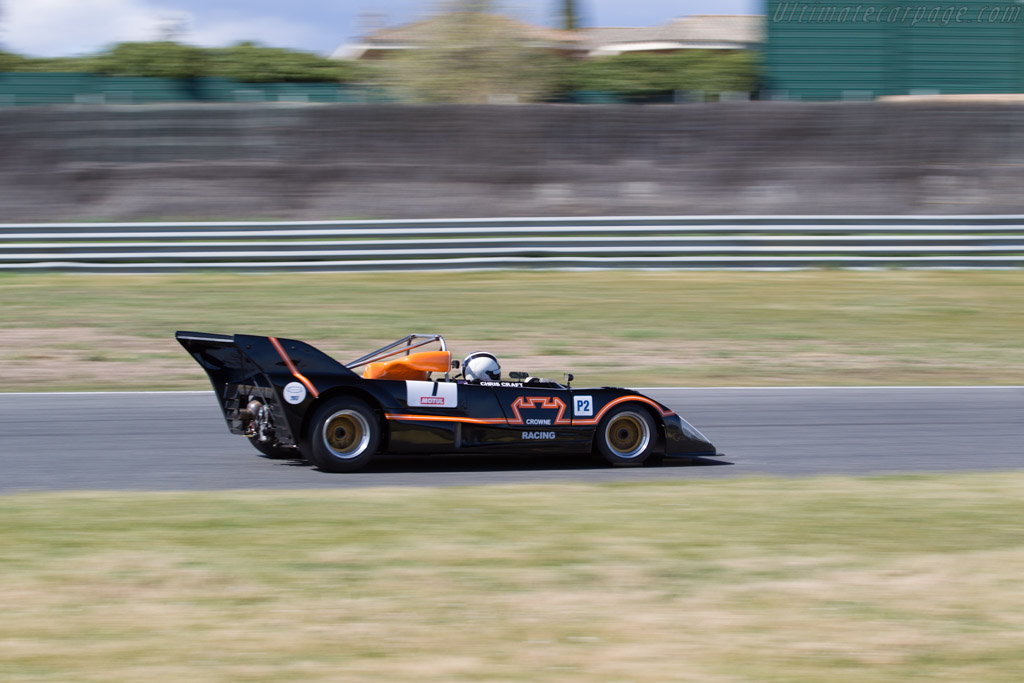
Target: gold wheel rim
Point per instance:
(628, 435)
(346, 434)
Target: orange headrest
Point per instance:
(413, 366)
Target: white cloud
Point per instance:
(50, 28)
(53, 28)
(272, 31)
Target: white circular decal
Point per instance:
(294, 393)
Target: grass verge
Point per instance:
(610, 327)
(858, 580)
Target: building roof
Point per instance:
(715, 31)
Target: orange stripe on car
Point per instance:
(642, 399)
(503, 421)
(291, 366)
(445, 418)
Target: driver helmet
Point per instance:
(480, 366)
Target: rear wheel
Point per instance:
(626, 437)
(343, 436)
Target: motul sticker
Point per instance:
(432, 394)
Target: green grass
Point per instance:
(633, 327)
(845, 580)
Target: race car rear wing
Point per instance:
(241, 364)
(231, 359)
(224, 361)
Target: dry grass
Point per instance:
(640, 328)
(884, 579)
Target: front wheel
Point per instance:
(343, 436)
(627, 437)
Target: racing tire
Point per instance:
(627, 436)
(343, 436)
(271, 451)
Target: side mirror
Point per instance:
(455, 365)
(569, 377)
(518, 376)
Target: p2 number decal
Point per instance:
(583, 406)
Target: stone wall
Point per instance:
(387, 161)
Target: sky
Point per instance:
(52, 28)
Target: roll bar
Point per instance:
(390, 350)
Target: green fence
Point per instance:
(35, 89)
(861, 49)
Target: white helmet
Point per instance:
(480, 366)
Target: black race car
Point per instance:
(292, 401)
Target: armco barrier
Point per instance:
(727, 242)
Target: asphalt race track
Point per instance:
(178, 441)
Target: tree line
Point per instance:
(444, 69)
(247, 62)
